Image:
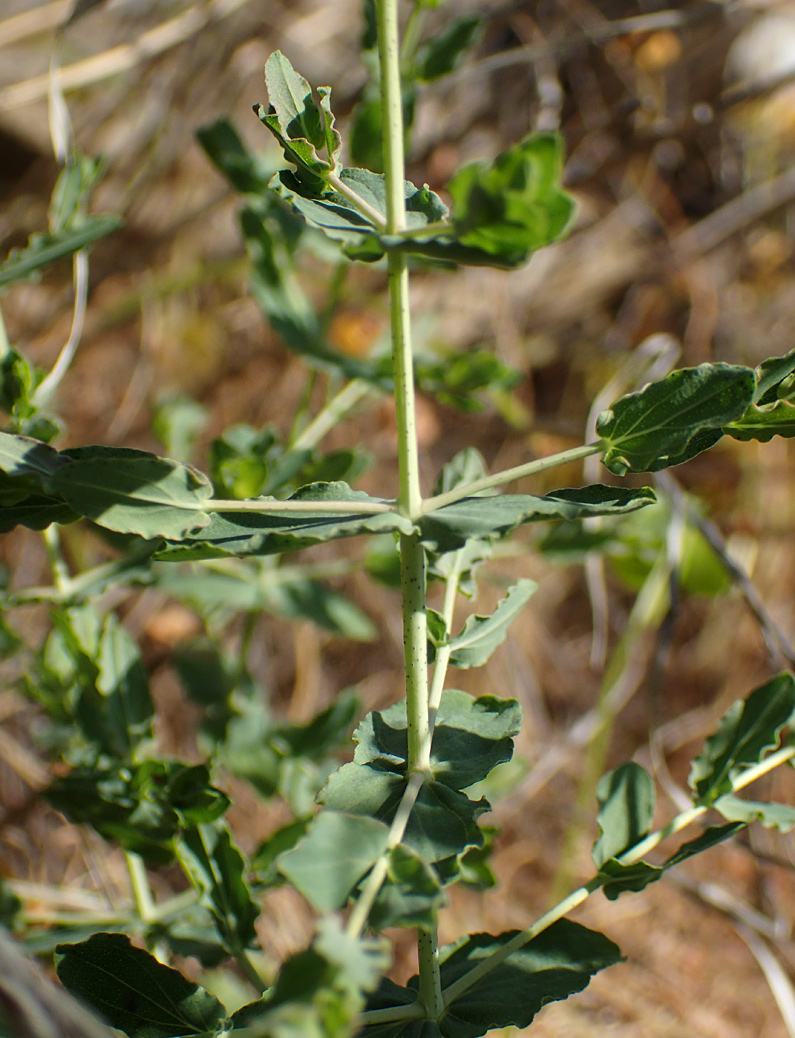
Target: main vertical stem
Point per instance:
(412, 555)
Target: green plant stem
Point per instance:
(444, 652)
(356, 200)
(412, 553)
(335, 409)
(530, 468)
(629, 857)
(141, 891)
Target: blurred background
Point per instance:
(679, 123)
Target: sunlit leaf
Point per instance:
(747, 731)
(442, 54)
(670, 421)
(626, 808)
(44, 249)
(411, 894)
(772, 816)
(764, 421)
(481, 635)
(328, 861)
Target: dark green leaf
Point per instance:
(460, 380)
(672, 420)
(263, 863)
(626, 808)
(22, 457)
(769, 376)
(36, 512)
(411, 894)
(556, 964)
(122, 682)
(763, 422)
(481, 635)
(481, 518)
(329, 860)
(224, 147)
(620, 879)
(44, 249)
(216, 869)
(10, 906)
(444, 52)
(132, 491)
(268, 533)
(135, 992)
(746, 732)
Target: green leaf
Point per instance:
(264, 860)
(216, 869)
(143, 806)
(483, 518)
(770, 375)
(462, 380)
(77, 180)
(360, 960)
(772, 816)
(224, 146)
(269, 533)
(747, 731)
(481, 635)
(22, 457)
(764, 421)
(44, 249)
(558, 963)
(329, 860)
(132, 491)
(443, 54)
(626, 808)
(135, 992)
(670, 421)
(411, 894)
(620, 878)
(122, 682)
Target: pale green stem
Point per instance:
(48, 385)
(316, 508)
(142, 894)
(5, 345)
(444, 652)
(630, 857)
(412, 553)
(356, 200)
(60, 571)
(530, 468)
(335, 409)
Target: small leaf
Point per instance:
(21, 456)
(132, 491)
(483, 518)
(772, 816)
(764, 421)
(328, 861)
(670, 421)
(122, 682)
(626, 808)
(264, 860)
(556, 964)
(746, 732)
(297, 122)
(483, 634)
(44, 249)
(225, 148)
(444, 52)
(769, 376)
(216, 869)
(135, 992)
(411, 894)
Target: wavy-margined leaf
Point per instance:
(411, 893)
(329, 860)
(481, 635)
(626, 808)
(670, 421)
(268, 533)
(771, 815)
(44, 249)
(22, 457)
(747, 731)
(764, 421)
(132, 491)
(470, 738)
(770, 375)
(557, 963)
(621, 879)
(442, 822)
(483, 518)
(216, 869)
(135, 992)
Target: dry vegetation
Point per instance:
(680, 152)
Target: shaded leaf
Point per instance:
(442, 54)
(216, 869)
(410, 895)
(264, 860)
(361, 960)
(329, 860)
(764, 421)
(746, 732)
(769, 376)
(44, 249)
(626, 808)
(670, 421)
(135, 992)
